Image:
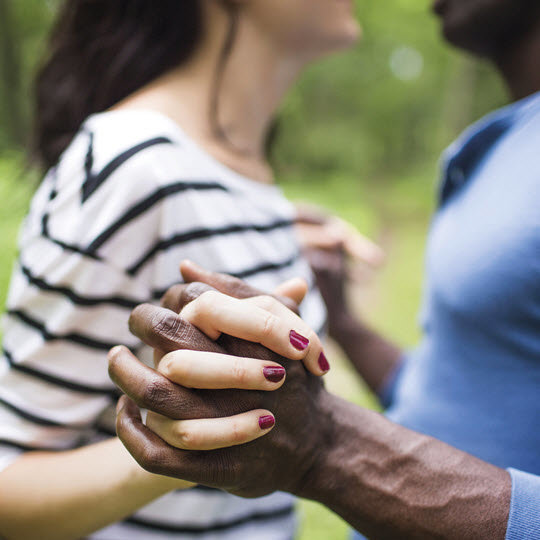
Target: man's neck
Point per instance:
(520, 64)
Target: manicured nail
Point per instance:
(266, 422)
(273, 374)
(323, 363)
(298, 341)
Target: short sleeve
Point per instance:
(524, 518)
(70, 298)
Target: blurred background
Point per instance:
(366, 128)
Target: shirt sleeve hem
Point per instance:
(388, 390)
(524, 517)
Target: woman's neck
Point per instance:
(255, 80)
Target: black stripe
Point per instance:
(249, 272)
(76, 298)
(64, 245)
(200, 487)
(256, 517)
(199, 234)
(57, 381)
(45, 227)
(26, 448)
(105, 430)
(93, 181)
(148, 202)
(72, 336)
(38, 419)
(266, 267)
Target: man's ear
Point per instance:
(295, 289)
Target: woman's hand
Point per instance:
(261, 319)
(338, 254)
(212, 371)
(193, 405)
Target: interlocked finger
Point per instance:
(212, 433)
(214, 371)
(263, 320)
(165, 330)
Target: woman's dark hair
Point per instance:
(101, 51)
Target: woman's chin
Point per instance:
(344, 40)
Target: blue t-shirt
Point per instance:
(474, 381)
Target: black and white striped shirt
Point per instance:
(130, 198)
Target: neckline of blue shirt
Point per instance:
(462, 157)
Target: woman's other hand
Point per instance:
(338, 255)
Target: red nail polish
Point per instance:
(323, 363)
(266, 422)
(273, 374)
(298, 341)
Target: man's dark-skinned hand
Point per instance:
(163, 329)
(385, 480)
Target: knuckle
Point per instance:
(237, 287)
(193, 291)
(187, 438)
(209, 298)
(268, 325)
(240, 372)
(165, 325)
(149, 458)
(172, 298)
(155, 395)
(202, 306)
(266, 302)
(236, 433)
(289, 304)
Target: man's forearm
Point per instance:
(374, 357)
(390, 482)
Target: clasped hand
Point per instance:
(230, 364)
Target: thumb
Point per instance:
(295, 289)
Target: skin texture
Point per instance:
(385, 480)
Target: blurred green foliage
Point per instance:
(360, 134)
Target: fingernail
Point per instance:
(298, 341)
(323, 363)
(266, 422)
(273, 374)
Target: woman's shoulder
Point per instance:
(132, 149)
(133, 140)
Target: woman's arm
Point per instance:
(329, 244)
(70, 494)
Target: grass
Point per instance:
(393, 212)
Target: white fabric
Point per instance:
(72, 291)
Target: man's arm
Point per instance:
(385, 480)
(390, 482)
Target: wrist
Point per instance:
(344, 326)
(334, 429)
(156, 483)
